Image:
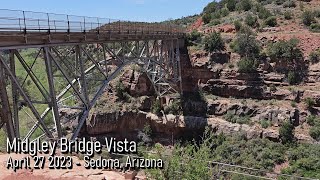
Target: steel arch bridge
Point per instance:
(80, 56)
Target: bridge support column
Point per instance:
(5, 114)
(15, 96)
(53, 101)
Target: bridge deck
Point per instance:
(9, 40)
(22, 29)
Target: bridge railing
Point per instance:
(29, 22)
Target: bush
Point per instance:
(214, 42)
(314, 57)
(288, 15)
(307, 18)
(237, 25)
(247, 65)
(292, 77)
(289, 4)
(263, 12)
(271, 21)
(285, 50)
(245, 5)
(237, 119)
(210, 8)
(121, 91)
(315, 132)
(246, 44)
(156, 108)
(251, 20)
(231, 5)
(206, 18)
(224, 12)
(265, 123)
(279, 2)
(309, 102)
(193, 37)
(315, 27)
(286, 132)
(313, 120)
(174, 108)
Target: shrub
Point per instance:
(293, 104)
(224, 12)
(285, 50)
(289, 4)
(314, 57)
(237, 25)
(315, 132)
(271, 21)
(312, 120)
(231, 5)
(206, 18)
(174, 108)
(263, 12)
(247, 65)
(214, 42)
(251, 20)
(246, 5)
(307, 18)
(156, 108)
(279, 2)
(292, 77)
(286, 132)
(147, 130)
(309, 102)
(193, 37)
(210, 8)
(246, 44)
(315, 27)
(265, 123)
(121, 91)
(288, 15)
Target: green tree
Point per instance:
(246, 5)
(285, 50)
(237, 25)
(315, 132)
(231, 5)
(211, 7)
(308, 18)
(251, 20)
(206, 18)
(271, 21)
(214, 42)
(247, 65)
(246, 44)
(286, 132)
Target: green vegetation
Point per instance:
(251, 20)
(237, 119)
(285, 50)
(315, 132)
(313, 120)
(156, 107)
(289, 4)
(237, 25)
(263, 13)
(286, 132)
(214, 42)
(245, 5)
(265, 123)
(174, 108)
(247, 65)
(292, 77)
(314, 57)
(309, 102)
(194, 38)
(206, 18)
(246, 44)
(308, 18)
(315, 27)
(288, 15)
(271, 21)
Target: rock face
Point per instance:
(137, 83)
(130, 124)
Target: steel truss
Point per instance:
(77, 76)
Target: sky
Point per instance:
(134, 10)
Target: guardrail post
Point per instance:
(68, 24)
(24, 21)
(48, 23)
(84, 25)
